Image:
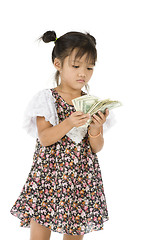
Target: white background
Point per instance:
(128, 69)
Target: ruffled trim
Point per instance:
(77, 133)
(43, 105)
(110, 122)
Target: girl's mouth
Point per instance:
(81, 80)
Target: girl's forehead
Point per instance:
(83, 59)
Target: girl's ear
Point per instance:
(57, 64)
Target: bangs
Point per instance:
(90, 51)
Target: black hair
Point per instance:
(64, 45)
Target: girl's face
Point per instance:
(75, 74)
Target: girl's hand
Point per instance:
(77, 119)
(97, 121)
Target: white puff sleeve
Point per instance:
(43, 105)
(110, 122)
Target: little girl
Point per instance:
(64, 190)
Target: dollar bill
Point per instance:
(84, 103)
(92, 104)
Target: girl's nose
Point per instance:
(82, 74)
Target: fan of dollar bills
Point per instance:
(91, 104)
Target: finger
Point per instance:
(107, 112)
(78, 113)
(96, 123)
(81, 122)
(97, 118)
(101, 115)
(85, 116)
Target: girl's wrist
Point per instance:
(94, 132)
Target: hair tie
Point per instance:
(55, 40)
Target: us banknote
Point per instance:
(92, 104)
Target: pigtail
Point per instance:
(49, 36)
(65, 44)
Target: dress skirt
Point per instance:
(64, 188)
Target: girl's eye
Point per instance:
(75, 66)
(90, 68)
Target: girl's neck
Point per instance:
(69, 91)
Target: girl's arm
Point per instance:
(94, 129)
(49, 134)
(97, 142)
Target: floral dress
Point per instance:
(64, 189)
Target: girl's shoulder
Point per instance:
(42, 99)
(41, 104)
(43, 94)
